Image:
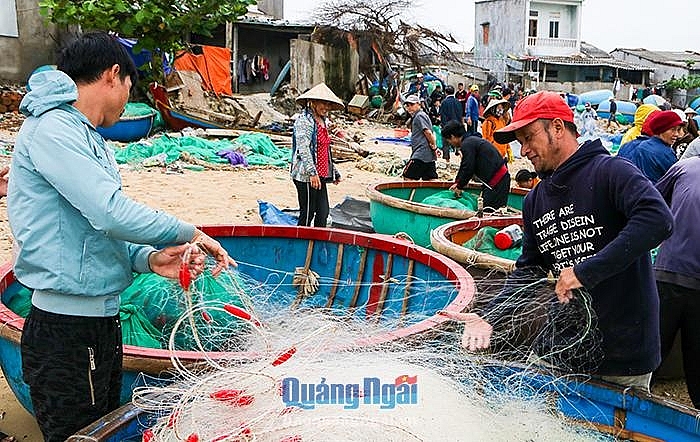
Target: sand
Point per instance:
(217, 197)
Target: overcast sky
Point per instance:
(608, 24)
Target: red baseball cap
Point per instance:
(545, 105)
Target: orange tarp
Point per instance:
(213, 65)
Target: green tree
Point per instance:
(160, 26)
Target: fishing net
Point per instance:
(142, 109)
(152, 305)
(483, 242)
(313, 373)
(257, 150)
(309, 374)
(261, 151)
(447, 198)
(311, 382)
(171, 148)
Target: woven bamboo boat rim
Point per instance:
(374, 193)
(439, 239)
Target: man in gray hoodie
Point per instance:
(79, 237)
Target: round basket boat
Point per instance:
(361, 266)
(620, 414)
(448, 239)
(394, 208)
(129, 128)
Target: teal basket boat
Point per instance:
(397, 207)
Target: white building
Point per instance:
(538, 43)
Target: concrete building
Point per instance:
(665, 65)
(25, 40)
(538, 44)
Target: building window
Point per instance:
(485, 33)
(552, 75)
(8, 18)
(532, 29)
(553, 29)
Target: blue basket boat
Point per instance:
(360, 264)
(129, 128)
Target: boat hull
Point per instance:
(359, 263)
(394, 210)
(128, 129)
(623, 414)
(177, 119)
(448, 239)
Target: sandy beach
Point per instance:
(222, 197)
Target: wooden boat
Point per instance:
(177, 119)
(448, 239)
(393, 208)
(622, 414)
(130, 128)
(361, 264)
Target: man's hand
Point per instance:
(213, 248)
(477, 332)
(316, 182)
(457, 191)
(167, 262)
(565, 284)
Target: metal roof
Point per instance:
(673, 58)
(584, 61)
(589, 56)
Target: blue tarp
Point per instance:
(143, 56)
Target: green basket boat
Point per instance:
(395, 208)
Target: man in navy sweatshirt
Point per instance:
(591, 221)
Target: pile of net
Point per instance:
(447, 198)
(310, 383)
(253, 149)
(386, 163)
(152, 305)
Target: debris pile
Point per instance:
(387, 163)
(284, 100)
(11, 121)
(10, 97)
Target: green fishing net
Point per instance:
(171, 147)
(151, 306)
(483, 242)
(447, 198)
(259, 150)
(142, 109)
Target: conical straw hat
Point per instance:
(323, 93)
(493, 103)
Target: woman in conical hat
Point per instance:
(493, 120)
(312, 162)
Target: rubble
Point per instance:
(10, 97)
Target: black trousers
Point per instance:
(680, 310)
(73, 366)
(313, 204)
(497, 197)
